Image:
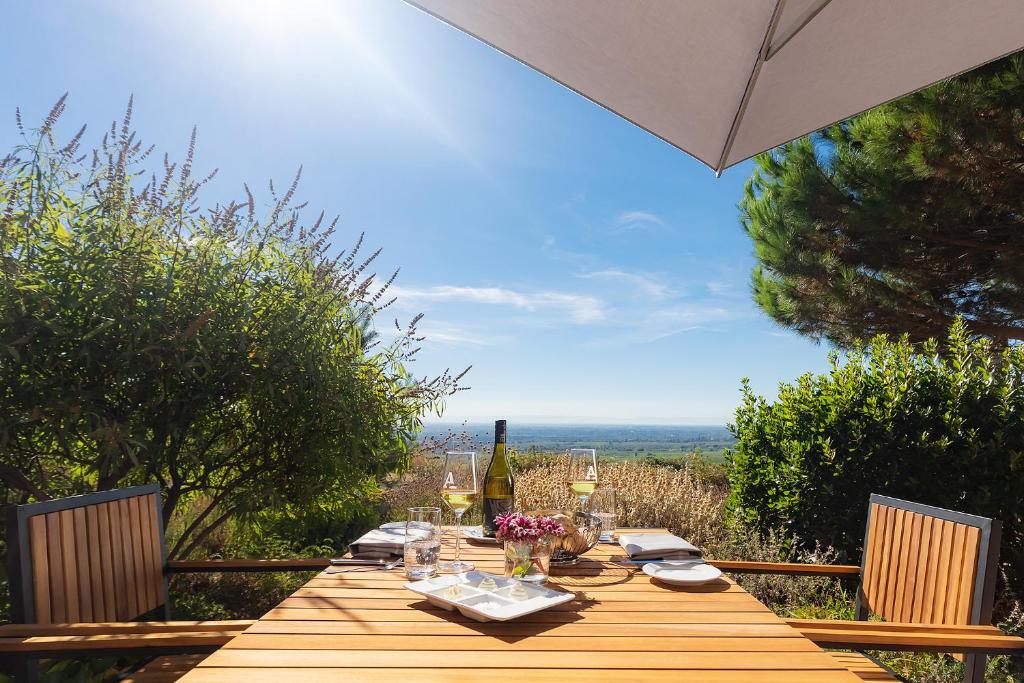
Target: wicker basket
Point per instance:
(583, 530)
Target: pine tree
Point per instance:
(900, 219)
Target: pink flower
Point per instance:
(515, 526)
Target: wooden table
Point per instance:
(364, 626)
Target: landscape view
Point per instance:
(477, 340)
(612, 442)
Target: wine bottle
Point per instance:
(498, 485)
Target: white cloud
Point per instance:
(580, 309)
(668, 321)
(551, 249)
(628, 221)
(446, 334)
(648, 284)
(718, 287)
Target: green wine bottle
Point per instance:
(498, 485)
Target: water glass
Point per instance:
(422, 542)
(602, 505)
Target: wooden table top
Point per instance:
(623, 626)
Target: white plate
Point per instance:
(497, 605)
(476, 534)
(682, 573)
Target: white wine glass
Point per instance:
(581, 473)
(459, 490)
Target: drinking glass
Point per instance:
(422, 542)
(602, 505)
(458, 489)
(581, 473)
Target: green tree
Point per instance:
(892, 418)
(220, 350)
(901, 219)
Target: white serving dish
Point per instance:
(476, 534)
(498, 605)
(682, 572)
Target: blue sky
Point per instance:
(586, 270)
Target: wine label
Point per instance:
(493, 507)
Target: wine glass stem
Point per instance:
(458, 535)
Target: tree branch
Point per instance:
(202, 535)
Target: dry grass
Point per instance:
(646, 496)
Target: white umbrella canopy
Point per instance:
(726, 79)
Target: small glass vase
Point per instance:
(528, 560)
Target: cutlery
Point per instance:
(341, 561)
(671, 562)
(365, 565)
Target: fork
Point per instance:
(389, 565)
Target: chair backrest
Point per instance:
(927, 565)
(89, 558)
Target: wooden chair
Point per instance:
(84, 570)
(929, 573)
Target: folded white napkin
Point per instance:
(657, 547)
(385, 542)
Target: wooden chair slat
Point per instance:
(125, 600)
(144, 588)
(95, 570)
(921, 578)
(106, 562)
(956, 567)
(58, 610)
(83, 568)
(69, 575)
(40, 566)
(942, 577)
(899, 588)
(892, 577)
(908, 578)
(129, 561)
(129, 557)
(966, 598)
(932, 575)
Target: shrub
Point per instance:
(944, 429)
(221, 350)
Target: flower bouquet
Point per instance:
(527, 544)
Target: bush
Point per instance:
(220, 349)
(944, 429)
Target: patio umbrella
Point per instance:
(725, 79)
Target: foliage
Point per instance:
(220, 350)
(899, 219)
(945, 430)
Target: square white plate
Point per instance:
(501, 604)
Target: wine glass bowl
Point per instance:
(581, 473)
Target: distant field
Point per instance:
(612, 442)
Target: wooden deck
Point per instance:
(364, 626)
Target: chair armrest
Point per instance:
(298, 564)
(789, 568)
(908, 637)
(68, 640)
